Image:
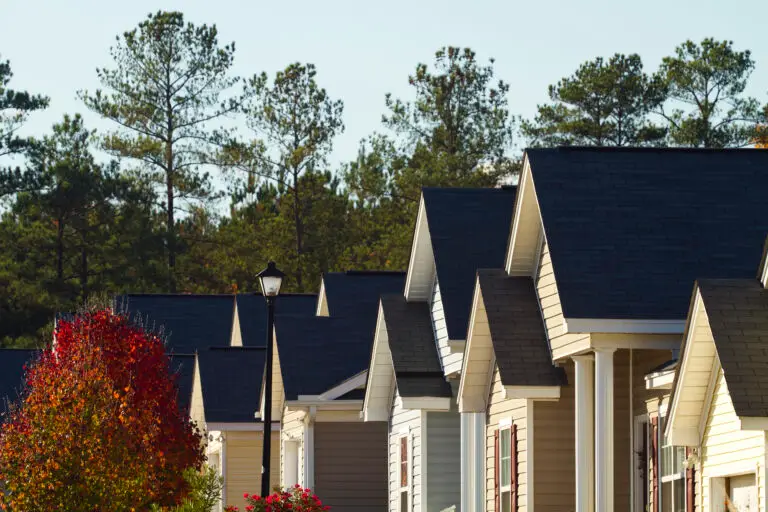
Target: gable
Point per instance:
(526, 232)
(421, 264)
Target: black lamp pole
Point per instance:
(268, 398)
(271, 279)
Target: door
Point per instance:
(742, 493)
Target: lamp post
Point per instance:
(271, 278)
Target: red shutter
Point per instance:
(690, 485)
(513, 451)
(496, 478)
(655, 463)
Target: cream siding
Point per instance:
(443, 442)
(421, 264)
(196, 408)
(451, 361)
(243, 464)
(500, 409)
(553, 450)
(562, 344)
(727, 450)
(404, 422)
(350, 465)
(236, 339)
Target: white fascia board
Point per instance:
(764, 276)
(371, 412)
(345, 387)
(753, 423)
(533, 392)
(427, 403)
(239, 426)
(321, 299)
(420, 219)
(660, 380)
(518, 208)
(467, 352)
(688, 436)
(325, 405)
(614, 326)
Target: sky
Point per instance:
(365, 49)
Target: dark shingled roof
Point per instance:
(317, 353)
(469, 229)
(189, 322)
(252, 312)
(738, 316)
(414, 353)
(231, 382)
(183, 365)
(357, 292)
(517, 331)
(629, 230)
(12, 363)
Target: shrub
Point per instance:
(295, 499)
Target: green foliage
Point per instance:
(170, 82)
(15, 107)
(204, 492)
(601, 104)
(706, 84)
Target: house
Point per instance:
(225, 399)
(189, 322)
(610, 240)
(419, 344)
(249, 326)
(320, 369)
(716, 424)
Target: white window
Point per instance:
(404, 479)
(505, 469)
(672, 476)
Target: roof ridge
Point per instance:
(628, 149)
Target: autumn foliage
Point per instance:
(295, 499)
(98, 427)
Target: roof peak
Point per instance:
(642, 149)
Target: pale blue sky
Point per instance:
(364, 49)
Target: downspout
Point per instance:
(631, 435)
(223, 441)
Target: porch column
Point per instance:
(466, 480)
(585, 433)
(478, 466)
(604, 430)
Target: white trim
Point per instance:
(753, 423)
(478, 447)
(352, 383)
(320, 299)
(529, 435)
(740, 468)
(660, 380)
(588, 325)
(422, 214)
(465, 464)
(533, 392)
(370, 413)
(604, 430)
(424, 465)
(507, 488)
(468, 346)
(430, 403)
(505, 422)
(309, 448)
(682, 367)
(238, 426)
(764, 277)
(326, 405)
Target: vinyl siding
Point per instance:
(728, 450)
(404, 422)
(236, 339)
(443, 441)
(553, 450)
(350, 466)
(243, 464)
(500, 408)
(451, 361)
(293, 428)
(196, 408)
(552, 312)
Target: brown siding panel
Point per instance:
(351, 466)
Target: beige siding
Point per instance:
(499, 409)
(196, 408)
(728, 450)
(549, 300)
(293, 428)
(553, 448)
(236, 339)
(243, 464)
(351, 466)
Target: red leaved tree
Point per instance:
(98, 427)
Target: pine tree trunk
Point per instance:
(299, 231)
(84, 271)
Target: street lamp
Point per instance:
(271, 278)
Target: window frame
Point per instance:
(404, 466)
(505, 429)
(671, 478)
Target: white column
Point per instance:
(604, 430)
(585, 433)
(466, 482)
(478, 466)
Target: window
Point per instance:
(505, 469)
(404, 474)
(672, 477)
